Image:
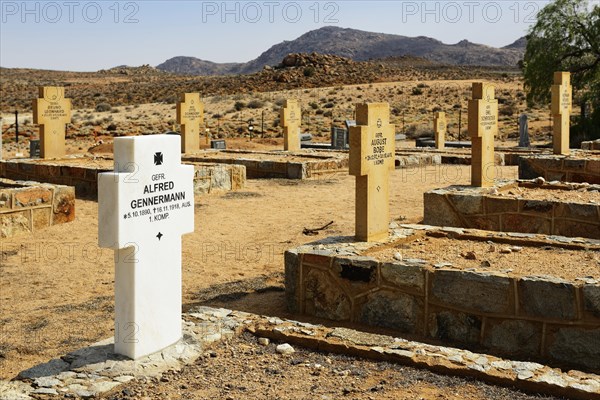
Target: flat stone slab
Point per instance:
(92, 371)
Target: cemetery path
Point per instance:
(56, 285)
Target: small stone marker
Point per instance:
(218, 144)
(144, 207)
(372, 148)
(190, 114)
(439, 129)
(51, 111)
(34, 148)
(524, 131)
(483, 126)
(290, 120)
(562, 94)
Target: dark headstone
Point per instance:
(34, 148)
(523, 131)
(339, 138)
(218, 144)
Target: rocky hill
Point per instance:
(359, 46)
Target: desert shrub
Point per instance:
(507, 111)
(422, 86)
(327, 114)
(103, 107)
(239, 105)
(329, 105)
(319, 112)
(313, 105)
(256, 103)
(111, 127)
(416, 91)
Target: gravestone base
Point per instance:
(501, 312)
(82, 174)
(579, 167)
(31, 206)
(555, 210)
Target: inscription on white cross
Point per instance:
(144, 207)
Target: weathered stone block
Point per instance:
(577, 346)
(324, 298)
(514, 337)
(64, 205)
(591, 299)
(540, 207)
(480, 292)
(392, 310)
(356, 274)
(467, 204)
(571, 228)
(14, 223)
(32, 197)
(292, 281)
(404, 276)
(5, 200)
(41, 217)
(547, 298)
(486, 222)
(455, 326)
(498, 205)
(526, 223)
(438, 211)
(296, 171)
(584, 212)
(321, 259)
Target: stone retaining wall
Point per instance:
(534, 317)
(561, 168)
(591, 145)
(30, 206)
(479, 208)
(208, 177)
(260, 169)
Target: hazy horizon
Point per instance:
(89, 36)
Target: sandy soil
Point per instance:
(56, 285)
(490, 256)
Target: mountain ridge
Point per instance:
(359, 46)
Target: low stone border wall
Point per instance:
(593, 145)
(561, 168)
(315, 165)
(95, 371)
(30, 206)
(482, 208)
(207, 179)
(535, 317)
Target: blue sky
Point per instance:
(91, 35)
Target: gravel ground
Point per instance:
(243, 369)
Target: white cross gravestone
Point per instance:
(144, 207)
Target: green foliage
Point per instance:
(566, 37)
